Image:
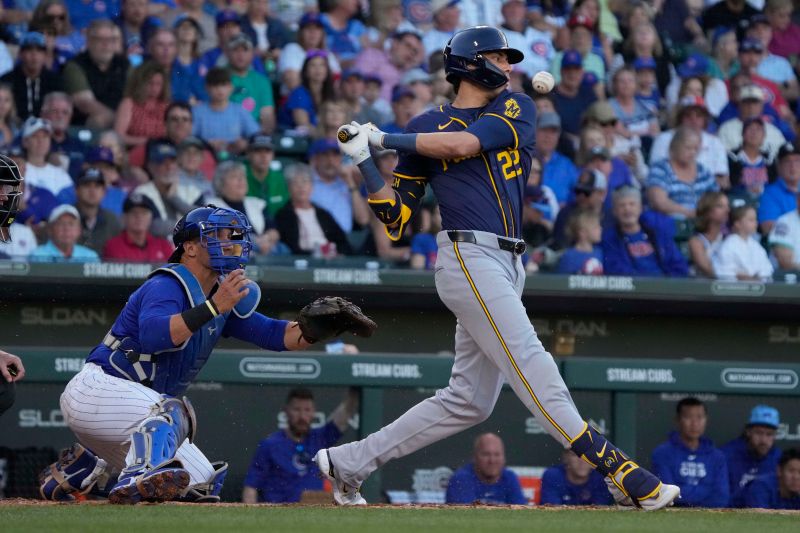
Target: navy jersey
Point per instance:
(483, 192)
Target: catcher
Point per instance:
(126, 406)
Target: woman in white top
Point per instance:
(742, 257)
(713, 210)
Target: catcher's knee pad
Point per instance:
(158, 437)
(208, 492)
(75, 473)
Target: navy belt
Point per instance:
(516, 247)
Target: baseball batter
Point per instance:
(126, 405)
(476, 155)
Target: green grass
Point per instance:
(196, 519)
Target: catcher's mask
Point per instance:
(224, 232)
(10, 194)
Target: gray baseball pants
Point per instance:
(495, 343)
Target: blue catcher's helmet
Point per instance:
(10, 193)
(204, 223)
(463, 56)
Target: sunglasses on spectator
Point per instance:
(609, 123)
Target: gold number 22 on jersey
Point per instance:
(510, 164)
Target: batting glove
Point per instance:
(375, 135)
(353, 140)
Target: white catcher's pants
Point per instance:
(104, 410)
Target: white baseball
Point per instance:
(543, 82)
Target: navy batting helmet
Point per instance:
(463, 56)
(10, 194)
(204, 223)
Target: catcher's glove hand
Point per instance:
(330, 316)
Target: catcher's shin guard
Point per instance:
(75, 474)
(207, 492)
(631, 479)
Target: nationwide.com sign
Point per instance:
(279, 367)
(759, 378)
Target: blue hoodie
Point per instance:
(701, 474)
(625, 254)
(763, 493)
(744, 466)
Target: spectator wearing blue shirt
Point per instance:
(405, 106)
(590, 194)
(780, 490)
(584, 257)
(82, 12)
(690, 460)
(282, 467)
(574, 482)
(754, 453)
(229, 24)
(344, 32)
(64, 230)
(780, 197)
(640, 244)
(486, 480)
(316, 86)
(572, 96)
(558, 172)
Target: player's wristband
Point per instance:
(402, 142)
(372, 178)
(199, 315)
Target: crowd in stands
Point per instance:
(667, 147)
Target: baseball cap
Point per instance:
(571, 58)
(548, 119)
(32, 39)
(373, 78)
(695, 65)
(399, 34)
(310, 18)
(416, 75)
(321, 146)
(63, 209)
(720, 32)
(239, 40)
(260, 142)
(191, 141)
(788, 149)
(34, 124)
(137, 199)
(764, 415)
(91, 175)
(100, 154)
(160, 151)
(438, 5)
(751, 45)
(401, 91)
(183, 17)
(227, 15)
(693, 101)
(352, 73)
(751, 92)
(642, 63)
(599, 151)
(758, 18)
(580, 21)
(600, 111)
(591, 180)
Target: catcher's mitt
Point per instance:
(330, 316)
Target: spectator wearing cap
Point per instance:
(351, 91)
(690, 460)
(266, 32)
(589, 194)
(784, 241)
(191, 152)
(98, 225)
(373, 102)
(751, 167)
(750, 105)
(574, 482)
(57, 108)
(405, 53)
(640, 243)
(229, 25)
(537, 44)
(644, 43)
(304, 226)
(137, 26)
(171, 198)
(192, 10)
(405, 106)
(677, 21)
(785, 32)
(779, 490)
(334, 187)
(692, 113)
(250, 89)
(735, 84)
(626, 155)
(36, 140)
(726, 13)
(344, 32)
(753, 453)
(316, 87)
(594, 154)
(140, 115)
(715, 93)
(773, 67)
(581, 33)
(421, 84)
(647, 90)
(446, 20)
(751, 52)
(675, 184)
(95, 79)
(185, 79)
(310, 36)
(724, 61)
(102, 158)
(780, 197)
(30, 81)
(265, 180)
(571, 96)
(64, 231)
(558, 171)
(136, 243)
(84, 13)
(223, 124)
